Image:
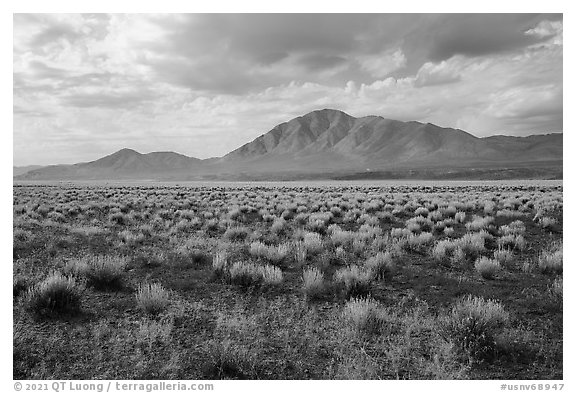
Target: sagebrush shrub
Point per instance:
(556, 289)
(503, 256)
(550, 261)
(271, 275)
(55, 295)
(381, 266)
(472, 325)
(356, 280)
(472, 244)
(152, 298)
(220, 262)
(245, 274)
(236, 234)
(100, 272)
(313, 243)
(487, 267)
(364, 315)
(313, 283)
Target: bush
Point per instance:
(550, 261)
(100, 272)
(547, 222)
(381, 266)
(236, 234)
(512, 241)
(56, 295)
(487, 267)
(443, 249)
(313, 243)
(472, 244)
(313, 283)
(503, 256)
(248, 274)
(472, 325)
(418, 243)
(356, 280)
(556, 289)
(274, 254)
(364, 315)
(245, 274)
(220, 262)
(479, 223)
(152, 298)
(271, 275)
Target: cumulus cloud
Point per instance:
(202, 85)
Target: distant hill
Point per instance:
(331, 143)
(124, 164)
(20, 170)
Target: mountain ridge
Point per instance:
(325, 140)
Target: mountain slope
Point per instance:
(327, 142)
(329, 138)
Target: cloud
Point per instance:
(204, 84)
(431, 74)
(382, 65)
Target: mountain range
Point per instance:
(332, 144)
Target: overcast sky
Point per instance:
(202, 85)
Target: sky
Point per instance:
(204, 84)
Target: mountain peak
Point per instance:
(127, 151)
(326, 112)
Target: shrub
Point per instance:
(512, 241)
(220, 262)
(245, 274)
(271, 275)
(274, 254)
(514, 228)
(258, 249)
(342, 238)
(479, 223)
(460, 217)
(364, 315)
(458, 257)
(356, 280)
(487, 267)
(443, 249)
(472, 325)
(313, 243)
(472, 244)
(279, 226)
(550, 261)
(152, 298)
(56, 295)
(555, 289)
(236, 234)
(547, 222)
(418, 243)
(381, 266)
(313, 283)
(100, 272)
(300, 252)
(503, 256)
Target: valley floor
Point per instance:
(288, 281)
